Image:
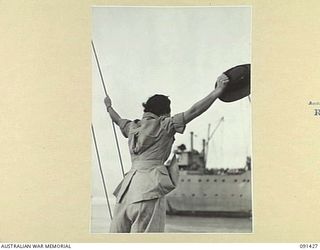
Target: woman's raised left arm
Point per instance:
(115, 117)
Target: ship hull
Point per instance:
(225, 195)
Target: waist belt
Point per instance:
(146, 165)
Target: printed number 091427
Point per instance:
(309, 245)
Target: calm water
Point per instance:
(100, 221)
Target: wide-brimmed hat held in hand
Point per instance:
(239, 83)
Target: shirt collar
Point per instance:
(149, 115)
(152, 115)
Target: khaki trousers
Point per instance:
(140, 217)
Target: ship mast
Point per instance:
(209, 138)
(191, 141)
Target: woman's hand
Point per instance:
(113, 114)
(222, 82)
(107, 102)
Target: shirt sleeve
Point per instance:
(124, 126)
(175, 124)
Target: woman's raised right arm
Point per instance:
(201, 106)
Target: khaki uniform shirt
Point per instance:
(150, 141)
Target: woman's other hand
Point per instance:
(107, 102)
(222, 82)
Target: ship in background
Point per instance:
(214, 191)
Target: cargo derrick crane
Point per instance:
(192, 160)
(206, 143)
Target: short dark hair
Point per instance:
(158, 105)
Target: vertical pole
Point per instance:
(191, 141)
(208, 139)
(105, 91)
(204, 151)
(101, 172)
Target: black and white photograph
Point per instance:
(160, 124)
(171, 120)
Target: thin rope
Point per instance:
(250, 130)
(105, 91)
(101, 172)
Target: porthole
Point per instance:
(241, 195)
(208, 180)
(193, 195)
(216, 195)
(215, 180)
(189, 180)
(204, 194)
(248, 180)
(235, 180)
(182, 180)
(223, 180)
(244, 180)
(199, 180)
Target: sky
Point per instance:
(176, 51)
